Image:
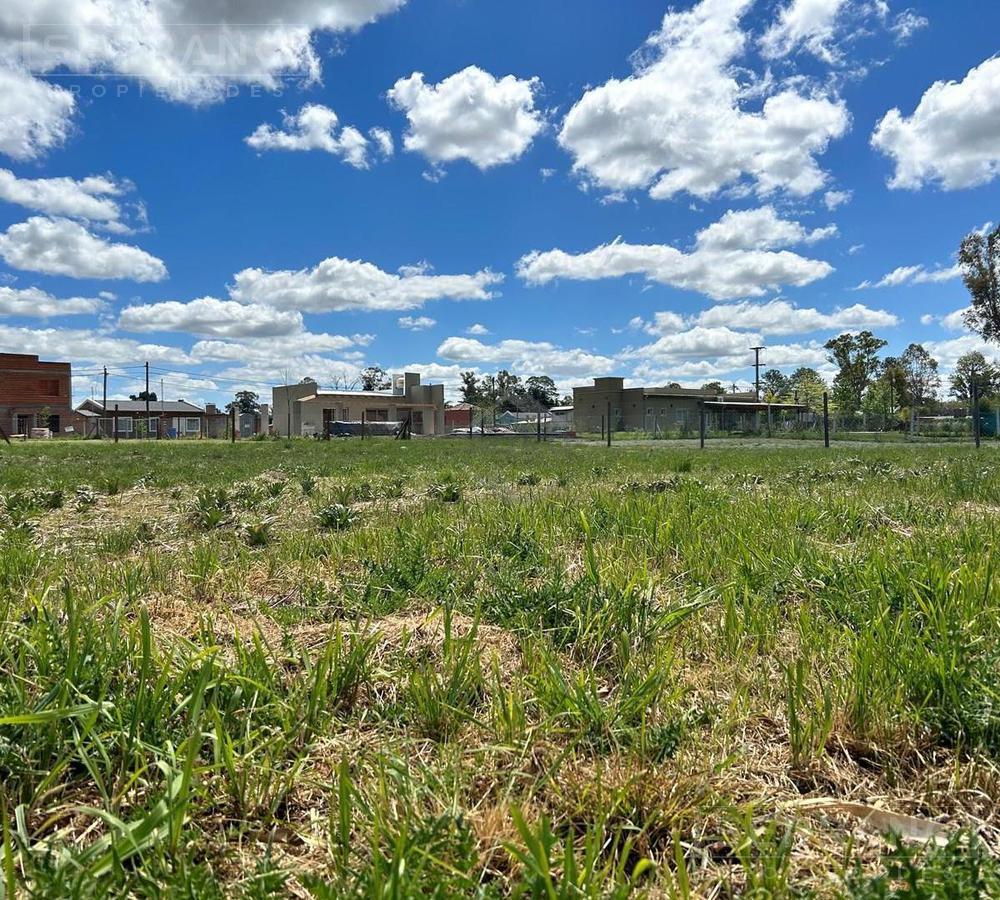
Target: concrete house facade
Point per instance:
(34, 394)
(302, 409)
(644, 408)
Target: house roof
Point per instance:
(559, 409)
(156, 407)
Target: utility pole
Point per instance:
(147, 398)
(756, 366)
(159, 420)
(104, 404)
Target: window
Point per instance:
(377, 415)
(192, 426)
(49, 387)
(124, 424)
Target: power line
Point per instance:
(210, 377)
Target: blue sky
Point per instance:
(453, 184)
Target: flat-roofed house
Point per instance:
(34, 394)
(644, 408)
(669, 408)
(304, 409)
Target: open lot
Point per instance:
(492, 668)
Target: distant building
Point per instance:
(302, 409)
(34, 394)
(168, 418)
(458, 416)
(649, 408)
(562, 417)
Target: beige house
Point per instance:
(302, 409)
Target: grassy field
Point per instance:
(480, 668)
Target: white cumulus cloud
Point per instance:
(810, 24)
(732, 258)
(314, 127)
(187, 50)
(340, 284)
(834, 199)
(83, 345)
(210, 316)
(93, 199)
(416, 323)
(58, 246)
(782, 317)
(684, 122)
(470, 115)
(35, 116)
(536, 357)
(953, 136)
(913, 275)
(274, 350)
(35, 303)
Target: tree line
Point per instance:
(867, 382)
(504, 391)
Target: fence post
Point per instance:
(609, 424)
(976, 423)
(826, 419)
(701, 423)
(232, 425)
(326, 424)
(538, 427)
(602, 426)
(115, 423)
(363, 424)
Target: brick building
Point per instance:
(34, 394)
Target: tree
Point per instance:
(714, 386)
(973, 369)
(374, 378)
(856, 357)
(542, 390)
(245, 402)
(920, 375)
(888, 392)
(510, 392)
(979, 259)
(142, 395)
(776, 384)
(470, 388)
(808, 386)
